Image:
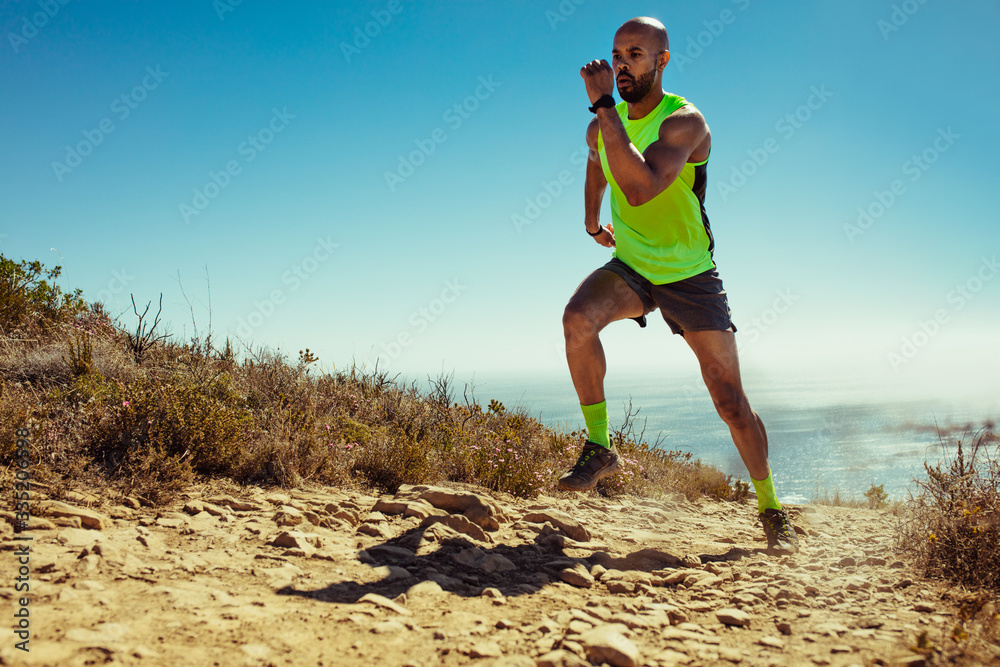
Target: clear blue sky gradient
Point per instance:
(430, 268)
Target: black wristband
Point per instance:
(597, 233)
(605, 102)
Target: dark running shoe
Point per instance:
(595, 463)
(780, 533)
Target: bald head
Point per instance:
(651, 32)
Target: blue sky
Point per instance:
(416, 192)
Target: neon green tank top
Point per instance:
(668, 238)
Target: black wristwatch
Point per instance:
(605, 102)
(597, 233)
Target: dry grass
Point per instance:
(147, 425)
(952, 530)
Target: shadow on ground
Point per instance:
(464, 568)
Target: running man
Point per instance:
(652, 149)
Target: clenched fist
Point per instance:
(599, 79)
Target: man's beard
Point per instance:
(639, 88)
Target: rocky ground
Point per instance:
(453, 576)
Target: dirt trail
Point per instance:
(453, 576)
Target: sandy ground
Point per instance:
(455, 576)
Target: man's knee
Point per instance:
(577, 321)
(733, 407)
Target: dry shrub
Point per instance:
(391, 460)
(953, 527)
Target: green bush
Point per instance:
(30, 299)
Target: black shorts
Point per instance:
(697, 303)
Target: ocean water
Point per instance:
(823, 436)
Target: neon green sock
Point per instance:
(596, 417)
(767, 499)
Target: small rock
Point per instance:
(841, 648)
(784, 627)
(924, 607)
(562, 521)
(234, 504)
(485, 649)
(288, 516)
(424, 588)
(496, 563)
(621, 587)
(458, 523)
(375, 530)
(846, 561)
(607, 643)
(89, 518)
(194, 507)
(771, 642)
(384, 627)
(291, 539)
(733, 617)
(386, 506)
(385, 603)
(577, 576)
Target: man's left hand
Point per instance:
(599, 78)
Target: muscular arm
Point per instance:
(683, 137)
(594, 188)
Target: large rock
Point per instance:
(89, 518)
(477, 509)
(560, 520)
(607, 643)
